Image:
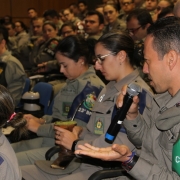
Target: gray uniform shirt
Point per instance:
(155, 132)
(15, 75)
(9, 168)
(66, 96)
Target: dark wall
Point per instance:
(18, 8)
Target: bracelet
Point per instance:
(74, 145)
(128, 165)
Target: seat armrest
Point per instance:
(107, 173)
(51, 152)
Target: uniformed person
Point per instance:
(9, 168)
(114, 58)
(12, 74)
(82, 85)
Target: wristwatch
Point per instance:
(128, 165)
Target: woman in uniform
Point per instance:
(114, 58)
(82, 86)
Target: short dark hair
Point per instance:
(74, 47)
(52, 24)
(141, 15)
(73, 4)
(10, 23)
(22, 25)
(165, 11)
(69, 24)
(51, 12)
(4, 34)
(31, 9)
(83, 2)
(116, 41)
(166, 35)
(100, 16)
(113, 5)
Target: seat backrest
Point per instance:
(26, 89)
(46, 93)
(27, 85)
(49, 110)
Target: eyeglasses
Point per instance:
(126, 3)
(133, 30)
(100, 58)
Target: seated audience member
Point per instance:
(11, 36)
(44, 47)
(9, 164)
(138, 22)
(154, 160)
(176, 9)
(94, 24)
(161, 5)
(69, 16)
(99, 8)
(12, 74)
(61, 16)
(75, 9)
(139, 4)
(111, 16)
(68, 29)
(168, 11)
(83, 8)
(73, 57)
(52, 15)
(32, 14)
(150, 6)
(114, 59)
(25, 50)
(127, 6)
(22, 36)
(37, 24)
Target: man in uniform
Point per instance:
(156, 132)
(12, 74)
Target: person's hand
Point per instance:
(42, 67)
(77, 130)
(33, 125)
(133, 110)
(64, 137)
(114, 153)
(30, 116)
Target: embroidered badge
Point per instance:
(90, 100)
(1, 160)
(65, 108)
(99, 125)
(53, 44)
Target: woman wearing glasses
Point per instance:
(114, 52)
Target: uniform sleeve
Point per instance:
(46, 130)
(15, 78)
(151, 171)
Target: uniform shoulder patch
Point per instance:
(1, 160)
(53, 44)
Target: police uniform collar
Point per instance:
(126, 80)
